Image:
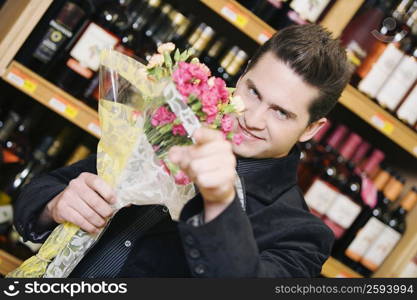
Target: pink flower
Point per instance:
(227, 123)
(181, 178)
(210, 119)
(179, 130)
(221, 89)
(210, 110)
(162, 116)
(190, 78)
(237, 139)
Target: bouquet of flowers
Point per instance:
(143, 112)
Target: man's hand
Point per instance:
(210, 164)
(85, 202)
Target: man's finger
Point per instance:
(205, 135)
(180, 156)
(76, 218)
(101, 187)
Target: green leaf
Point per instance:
(177, 55)
(196, 106)
(168, 60)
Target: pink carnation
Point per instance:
(227, 123)
(190, 78)
(162, 116)
(179, 130)
(237, 139)
(181, 178)
(210, 110)
(220, 87)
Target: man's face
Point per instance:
(276, 115)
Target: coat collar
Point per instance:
(268, 178)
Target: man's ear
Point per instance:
(312, 129)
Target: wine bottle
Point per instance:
(369, 224)
(81, 152)
(388, 238)
(407, 111)
(83, 60)
(270, 10)
(10, 124)
(59, 33)
(399, 82)
(192, 38)
(225, 61)
(322, 192)
(211, 56)
(233, 71)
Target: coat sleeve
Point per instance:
(35, 195)
(293, 242)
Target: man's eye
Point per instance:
(253, 92)
(282, 115)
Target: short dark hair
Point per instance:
(311, 52)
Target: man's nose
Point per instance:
(255, 117)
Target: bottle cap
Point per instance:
(70, 15)
(350, 145)
(337, 136)
(393, 188)
(410, 199)
(361, 152)
(381, 179)
(376, 157)
(320, 134)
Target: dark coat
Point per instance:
(276, 236)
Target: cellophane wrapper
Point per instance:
(126, 160)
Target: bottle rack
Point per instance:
(14, 31)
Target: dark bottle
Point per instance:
(233, 71)
(10, 124)
(211, 56)
(83, 60)
(311, 155)
(271, 11)
(359, 36)
(147, 43)
(202, 42)
(60, 32)
(368, 225)
(321, 191)
(347, 205)
(225, 61)
(195, 34)
(388, 238)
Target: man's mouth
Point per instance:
(247, 134)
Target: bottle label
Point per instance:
(343, 211)
(320, 196)
(381, 70)
(87, 50)
(381, 248)
(51, 42)
(401, 80)
(6, 213)
(364, 239)
(408, 110)
(309, 10)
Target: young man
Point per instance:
(290, 84)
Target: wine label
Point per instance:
(410, 270)
(343, 211)
(6, 213)
(309, 10)
(381, 248)
(398, 84)
(87, 50)
(320, 196)
(364, 239)
(380, 71)
(52, 41)
(408, 110)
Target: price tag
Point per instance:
(94, 127)
(21, 81)
(263, 37)
(233, 15)
(63, 107)
(382, 124)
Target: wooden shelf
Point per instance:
(8, 262)
(242, 19)
(53, 97)
(377, 117)
(333, 268)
